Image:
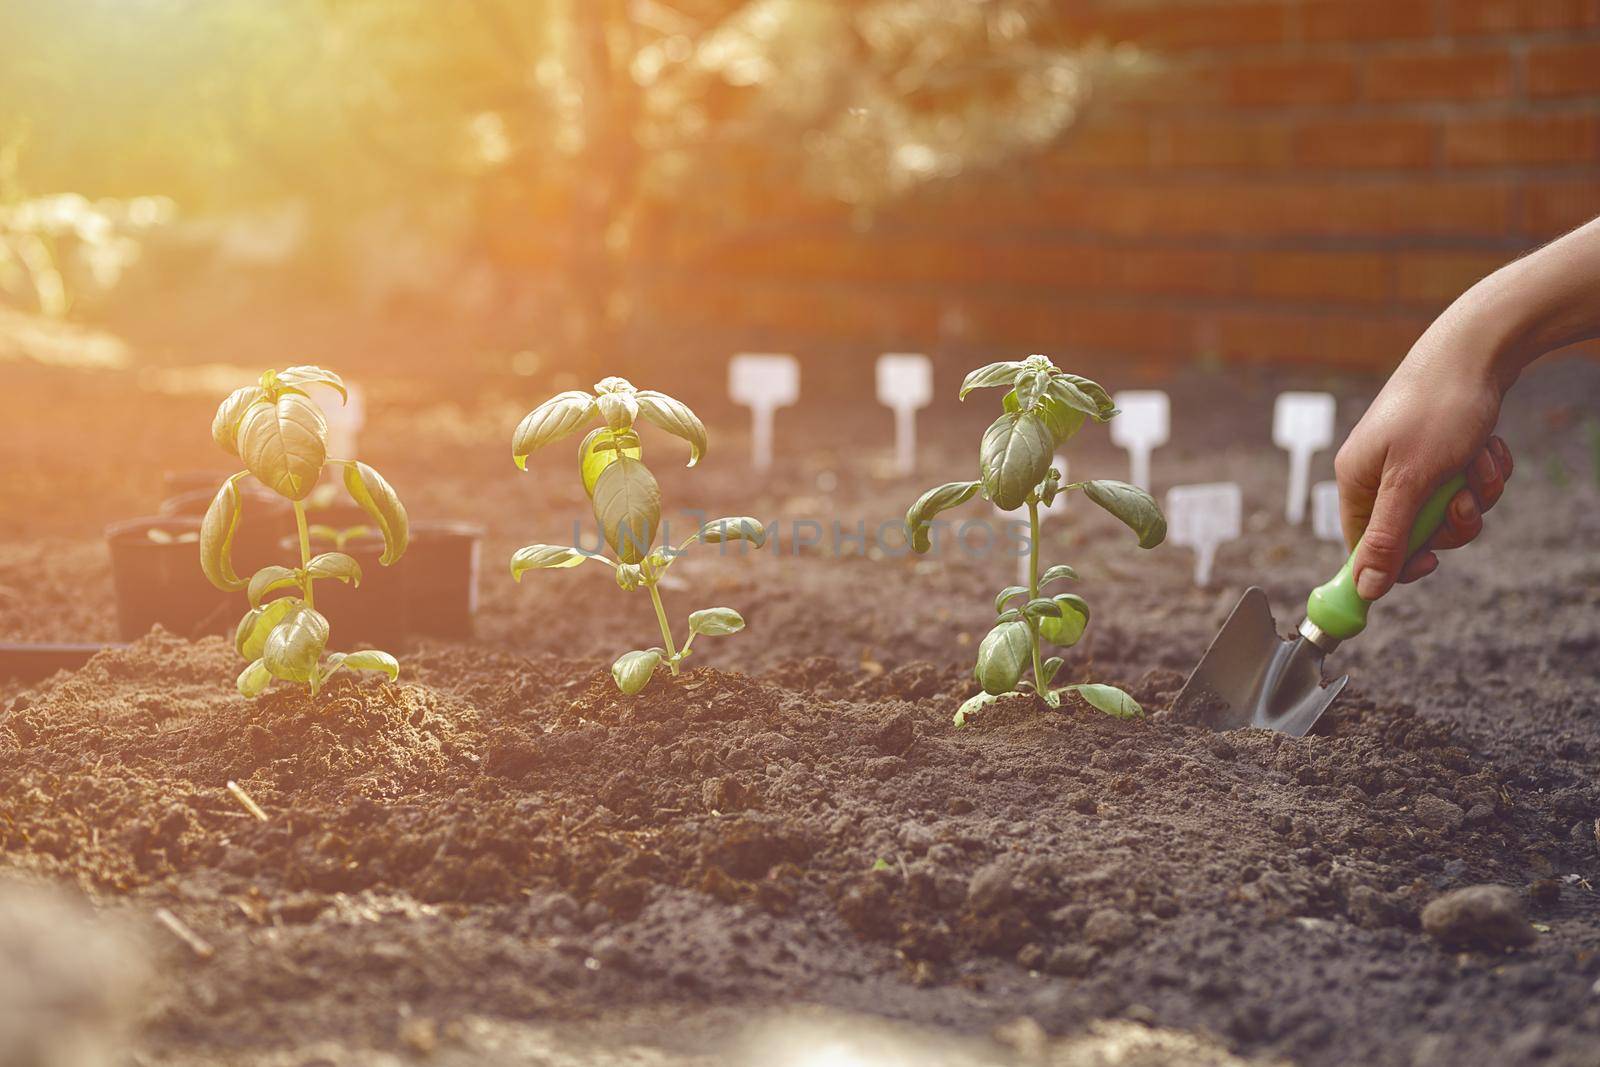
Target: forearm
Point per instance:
(1544, 301)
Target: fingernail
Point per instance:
(1465, 509)
(1484, 466)
(1372, 583)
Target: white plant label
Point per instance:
(345, 419)
(905, 385)
(763, 382)
(1302, 424)
(1143, 425)
(1325, 512)
(1203, 517)
(1055, 507)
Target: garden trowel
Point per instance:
(1252, 676)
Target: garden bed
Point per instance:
(503, 840)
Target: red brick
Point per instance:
(1289, 82)
(1522, 139)
(1320, 277)
(1037, 322)
(1552, 208)
(1432, 76)
(1328, 340)
(1182, 26)
(1367, 20)
(1504, 16)
(1564, 70)
(1439, 277)
(1381, 144)
(1224, 145)
(1117, 144)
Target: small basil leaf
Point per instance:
(544, 557)
(301, 377)
(225, 425)
(733, 528)
(716, 622)
(1002, 656)
(940, 498)
(601, 449)
(1041, 609)
(335, 565)
(216, 536)
(295, 645)
(250, 637)
(1009, 615)
(371, 659)
(1105, 409)
(633, 670)
(1057, 573)
(551, 421)
(379, 500)
(1006, 594)
(627, 501)
(253, 679)
(674, 417)
(1049, 668)
(1066, 629)
(270, 579)
(1014, 457)
(1030, 387)
(1107, 698)
(971, 706)
(618, 409)
(987, 377)
(1135, 507)
(1063, 420)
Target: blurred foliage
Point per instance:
(576, 115)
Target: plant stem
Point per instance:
(305, 551)
(1033, 590)
(666, 631)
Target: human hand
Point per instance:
(1433, 419)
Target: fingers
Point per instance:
(1486, 482)
(1359, 473)
(1381, 555)
(1463, 520)
(1421, 565)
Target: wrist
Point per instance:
(1493, 330)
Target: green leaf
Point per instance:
(285, 444)
(674, 417)
(1063, 420)
(1065, 630)
(1057, 573)
(335, 565)
(716, 622)
(994, 374)
(303, 376)
(250, 638)
(1014, 457)
(632, 670)
(627, 502)
(940, 498)
(733, 528)
(366, 660)
(294, 647)
(544, 557)
(225, 425)
(254, 679)
(1108, 698)
(1105, 409)
(1006, 594)
(551, 421)
(618, 409)
(971, 706)
(379, 500)
(1135, 507)
(270, 579)
(1030, 387)
(1041, 609)
(1049, 669)
(601, 449)
(1004, 653)
(216, 536)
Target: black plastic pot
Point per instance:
(29, 663)
(160, 581)
(440, 572)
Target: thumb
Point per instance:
(1382, 551)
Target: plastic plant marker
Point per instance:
(1325, 512)
(345, 420)
(1058, 506)
(1143, 425)
(763, 382)
(1203, 517)
(905, 384)
(1302, 425)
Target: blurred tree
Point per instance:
(570, 124)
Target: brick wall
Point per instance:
(1304, 181)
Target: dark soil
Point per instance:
(501, 838)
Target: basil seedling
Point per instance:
(627, 503)
(280, 433)
(1043, 409)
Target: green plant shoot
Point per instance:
(280, 433)
(627, 504)
(1044, 408)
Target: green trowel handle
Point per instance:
(1336, 608)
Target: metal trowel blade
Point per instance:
(1252, 676)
